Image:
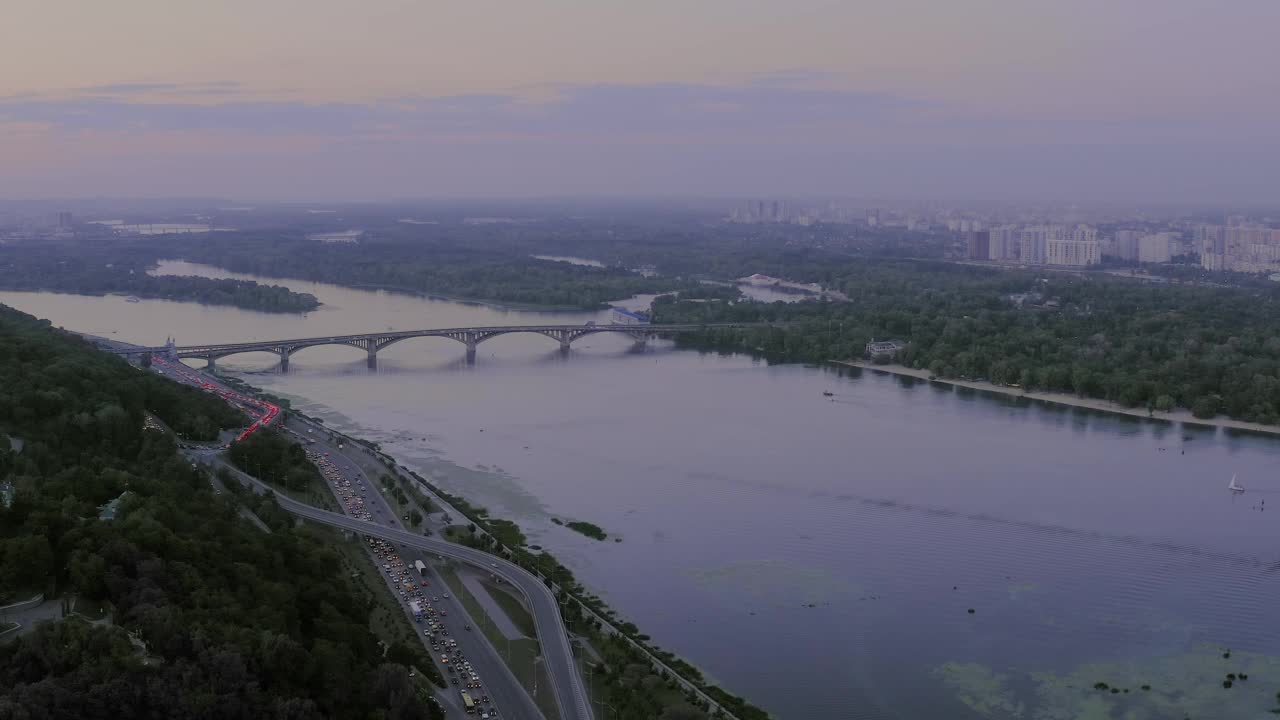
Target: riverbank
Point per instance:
(601, 631)
(1179, 416)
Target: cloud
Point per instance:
(788, 133)
(615, 111)
(220, 87)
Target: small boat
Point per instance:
(827, 393)
(1234, 486)
(132, 298)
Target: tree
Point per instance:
(1206, 406)
(415, 517)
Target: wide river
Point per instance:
(899, 550)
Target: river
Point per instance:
(818, 555)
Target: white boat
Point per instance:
(1234, 486)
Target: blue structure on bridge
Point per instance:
(623, 316)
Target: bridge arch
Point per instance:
(295, 348)
(382, 344)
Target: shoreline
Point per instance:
(1182, 416)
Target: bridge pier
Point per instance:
(471, 351)
(211, 367)
(284, 361)
(372, 362)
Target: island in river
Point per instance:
(87, 271)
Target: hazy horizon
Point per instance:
(1166, 102)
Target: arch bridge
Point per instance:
(371, 343)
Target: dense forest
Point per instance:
(452, 269)
(207, 616)
(1212, 349)
(99, 271)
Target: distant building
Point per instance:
(1032, 243)
(979, 245)
(1060, 251)
(1126, 244)
(1155, 248)
(873, 217)
(65, 220)
(884, 349)
(1003, 243)
(1059, 245)
(1210, 240)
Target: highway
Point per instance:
(566, 682)
(500, 683)
(557, 654)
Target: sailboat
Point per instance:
(1235, 487)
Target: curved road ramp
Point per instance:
(566, 681)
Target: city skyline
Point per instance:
(1167, 101)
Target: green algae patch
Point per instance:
(1193, 684)
(983, 690)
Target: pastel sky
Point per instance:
(1075, 100)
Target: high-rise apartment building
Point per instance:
(979, 245)
(1155, 248)
(1058, 245)
(1004, 243)
(1126, 244)
(1061, 251)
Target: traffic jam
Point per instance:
(429, 610)
(265, 412)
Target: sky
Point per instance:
(1073, 100)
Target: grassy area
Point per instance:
(387, 620)
(512, 606)
(519, 654)
(7, 626)
(387, 483)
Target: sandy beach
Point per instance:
(1177, 415)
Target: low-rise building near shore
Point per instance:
(884, 349)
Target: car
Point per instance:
(466, 627)
(446, 596)
(424, 583)
(455, 681)
(435, 599)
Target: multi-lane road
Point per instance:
(567, 685)
(557, 653)
(566, 682)
(500, 684)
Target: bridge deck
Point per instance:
(465, 334)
